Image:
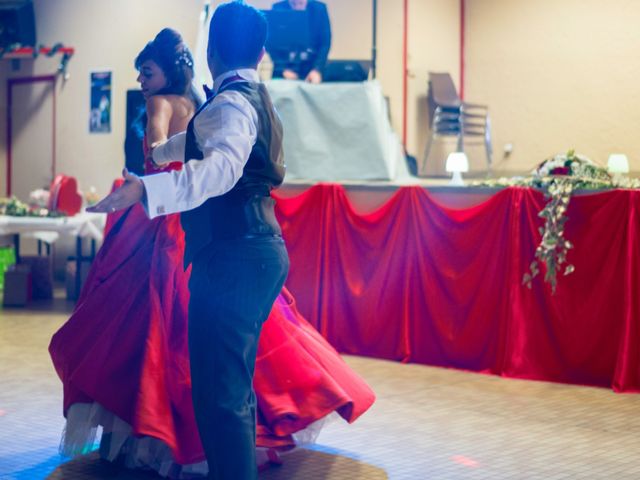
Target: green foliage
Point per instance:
(14, 207)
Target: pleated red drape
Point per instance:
(417, 282)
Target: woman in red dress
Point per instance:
(122, 356)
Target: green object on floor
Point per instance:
(7, 258)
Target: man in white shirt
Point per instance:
(232, 151)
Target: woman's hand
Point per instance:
(130, 193)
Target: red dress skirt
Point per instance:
(124, 362)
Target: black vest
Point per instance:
(247, 209)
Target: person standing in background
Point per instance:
(313, 62)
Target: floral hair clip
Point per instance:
(185, 58)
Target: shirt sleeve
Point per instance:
(323, 27)
(170, 151)
(226, 131)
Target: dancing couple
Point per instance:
(185, 300)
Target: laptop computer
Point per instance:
(346, 71)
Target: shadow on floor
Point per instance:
(92, 467)
(312, 465)
(301, 464)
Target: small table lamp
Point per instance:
(457, 162)
(618, 163)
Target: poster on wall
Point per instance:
(100, 114)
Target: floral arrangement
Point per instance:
(559, 177)
(553, 248)
(39, 198)
(584, 173)
(14, 207)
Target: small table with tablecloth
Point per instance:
(49, 229)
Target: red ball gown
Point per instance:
(124, 363)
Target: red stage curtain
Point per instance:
(417, 282)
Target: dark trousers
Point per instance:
(233, 286)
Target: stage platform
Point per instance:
(367, 195)
(433, 274)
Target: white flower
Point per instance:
(39, 197)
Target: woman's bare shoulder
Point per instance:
(176, 99)
(159, 103)
(182, 104)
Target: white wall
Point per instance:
(434, 46)
(557, 74)
(108, 35)
(105, 35)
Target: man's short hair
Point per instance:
(237, 33)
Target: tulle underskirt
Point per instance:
(89, 422)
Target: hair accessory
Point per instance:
(185, 58)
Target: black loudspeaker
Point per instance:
(17, 24)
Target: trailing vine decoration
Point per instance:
(553, 248)
(559, 177)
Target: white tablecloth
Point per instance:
(336, 131)
(47, 229)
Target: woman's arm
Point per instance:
(226, 131)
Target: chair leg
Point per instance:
(487, 144)
(489, 154)
(427, 150)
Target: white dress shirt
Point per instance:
(225, 131)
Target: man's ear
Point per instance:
(209, 52)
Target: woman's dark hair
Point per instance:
(173, 57)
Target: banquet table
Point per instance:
(417, 281)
